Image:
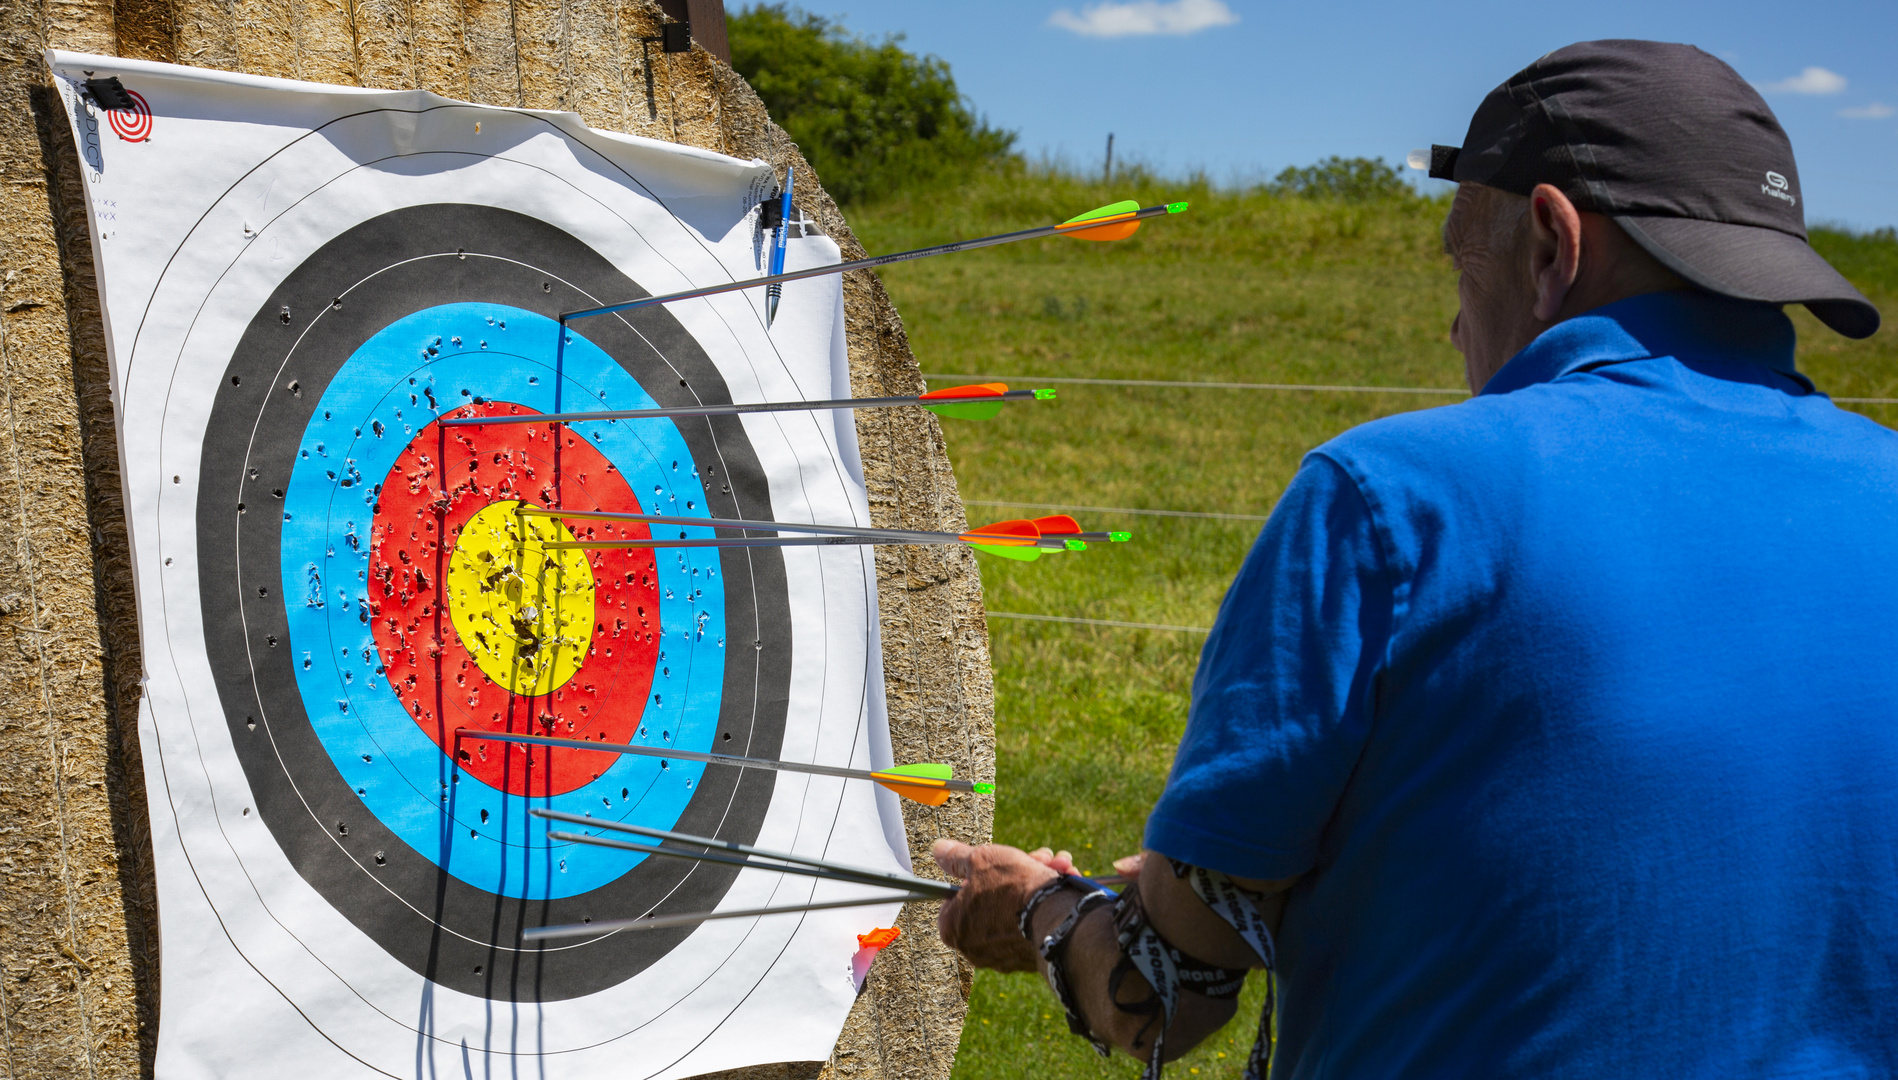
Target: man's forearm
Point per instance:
(1182, 919)
(1090, 957)
(983, 923)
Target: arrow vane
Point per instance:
(927, 783)
(1115, 222)
(979, 402)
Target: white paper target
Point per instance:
(298, 282)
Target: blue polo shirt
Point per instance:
(1576, 706)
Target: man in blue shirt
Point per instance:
(1553, 734)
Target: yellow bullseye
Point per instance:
(524, 614)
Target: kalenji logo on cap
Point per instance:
(1776, 187)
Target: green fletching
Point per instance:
(1126, 206)
(1044, 395)
(1077, 545)
(968, 410)
(928, 770)
(1019, 554)
(984, 789)
(1175, 207)
(1119, 537)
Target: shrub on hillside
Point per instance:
(872, 118)
(1351, 179)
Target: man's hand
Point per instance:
(1061, 862)
(982, 922)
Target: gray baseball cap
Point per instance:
(1680, 151)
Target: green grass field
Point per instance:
(1245, 287)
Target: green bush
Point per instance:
(1350, 179)
(872, 118)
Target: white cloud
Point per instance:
(1813, 80)
(1877, 110)
(1144, 17)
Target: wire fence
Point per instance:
(1174, 384)
(1099, 622)
(1066, 508)
(1218, 385)
(1307, 387)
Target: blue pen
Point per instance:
(775, 290)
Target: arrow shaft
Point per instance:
(727, 410)
(718, 759)
(662, 922)
(831, 872)
(708, 856)
(735, 542)
(874, 877)
(901, 535)
(870, 263)
(1046, 543)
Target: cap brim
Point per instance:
(1747, 262)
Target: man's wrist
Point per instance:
(1050, 913)
(1049, 919)
(1050, 903)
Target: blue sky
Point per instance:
(1244, 88)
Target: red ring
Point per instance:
(133, 124)
(426, 663)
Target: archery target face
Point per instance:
(388, 610)
(339, 594)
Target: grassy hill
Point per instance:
(1246, 287)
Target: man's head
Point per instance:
(1611, 168)
(1527, 262)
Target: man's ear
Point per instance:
(1555, 249)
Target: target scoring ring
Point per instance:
(401, 686)
(488, 666)
(436, 866)
(132, 124)
(523, 611)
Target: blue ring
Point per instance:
(366, 418)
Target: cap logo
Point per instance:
(1775, 187)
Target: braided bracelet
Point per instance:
(1053, 948)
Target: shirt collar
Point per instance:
(1686, 324)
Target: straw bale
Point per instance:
(79, 971)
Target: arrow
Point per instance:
(1022, 539)
(979, 402)
(927, 783)
(1114, 222)
(741, 855)
(661, 922)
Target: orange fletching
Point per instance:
(1117, 227)
(1013, 533)
(993, 389)
(1057, 525)
(878, 939)
(928, 796)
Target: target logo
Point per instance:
(133, 124)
